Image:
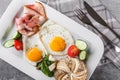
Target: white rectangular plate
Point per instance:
(15, 58)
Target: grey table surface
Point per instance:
(104, 72)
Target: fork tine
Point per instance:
(78, 14)
(81, 12)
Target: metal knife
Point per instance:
(98, 18)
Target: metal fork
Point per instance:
(83, 18)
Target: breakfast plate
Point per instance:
(15, 58)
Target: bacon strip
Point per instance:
(34, 16)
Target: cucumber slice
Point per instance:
(81, 44)
(17, 35)
(83, 55)
(8, 43)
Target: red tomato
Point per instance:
(73, 51)
(18, 45)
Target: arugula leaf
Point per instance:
(44, 66)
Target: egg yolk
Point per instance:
(57, 44)
(34, 54)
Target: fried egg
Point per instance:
(55, 38)
(33, 49)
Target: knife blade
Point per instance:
(98, 18)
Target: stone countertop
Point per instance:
(8, 72)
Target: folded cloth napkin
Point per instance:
(115, 11)
(113, 6)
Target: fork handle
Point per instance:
(112, 45)
(104, 37)
(118, 36)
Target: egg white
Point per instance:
(31, 42)
(50, 30)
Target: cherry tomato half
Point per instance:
(18, 45)
(73, 51)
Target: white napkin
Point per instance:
(113, 6)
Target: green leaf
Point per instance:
(38, 66)
(44, 66)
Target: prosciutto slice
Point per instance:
(34, 16)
